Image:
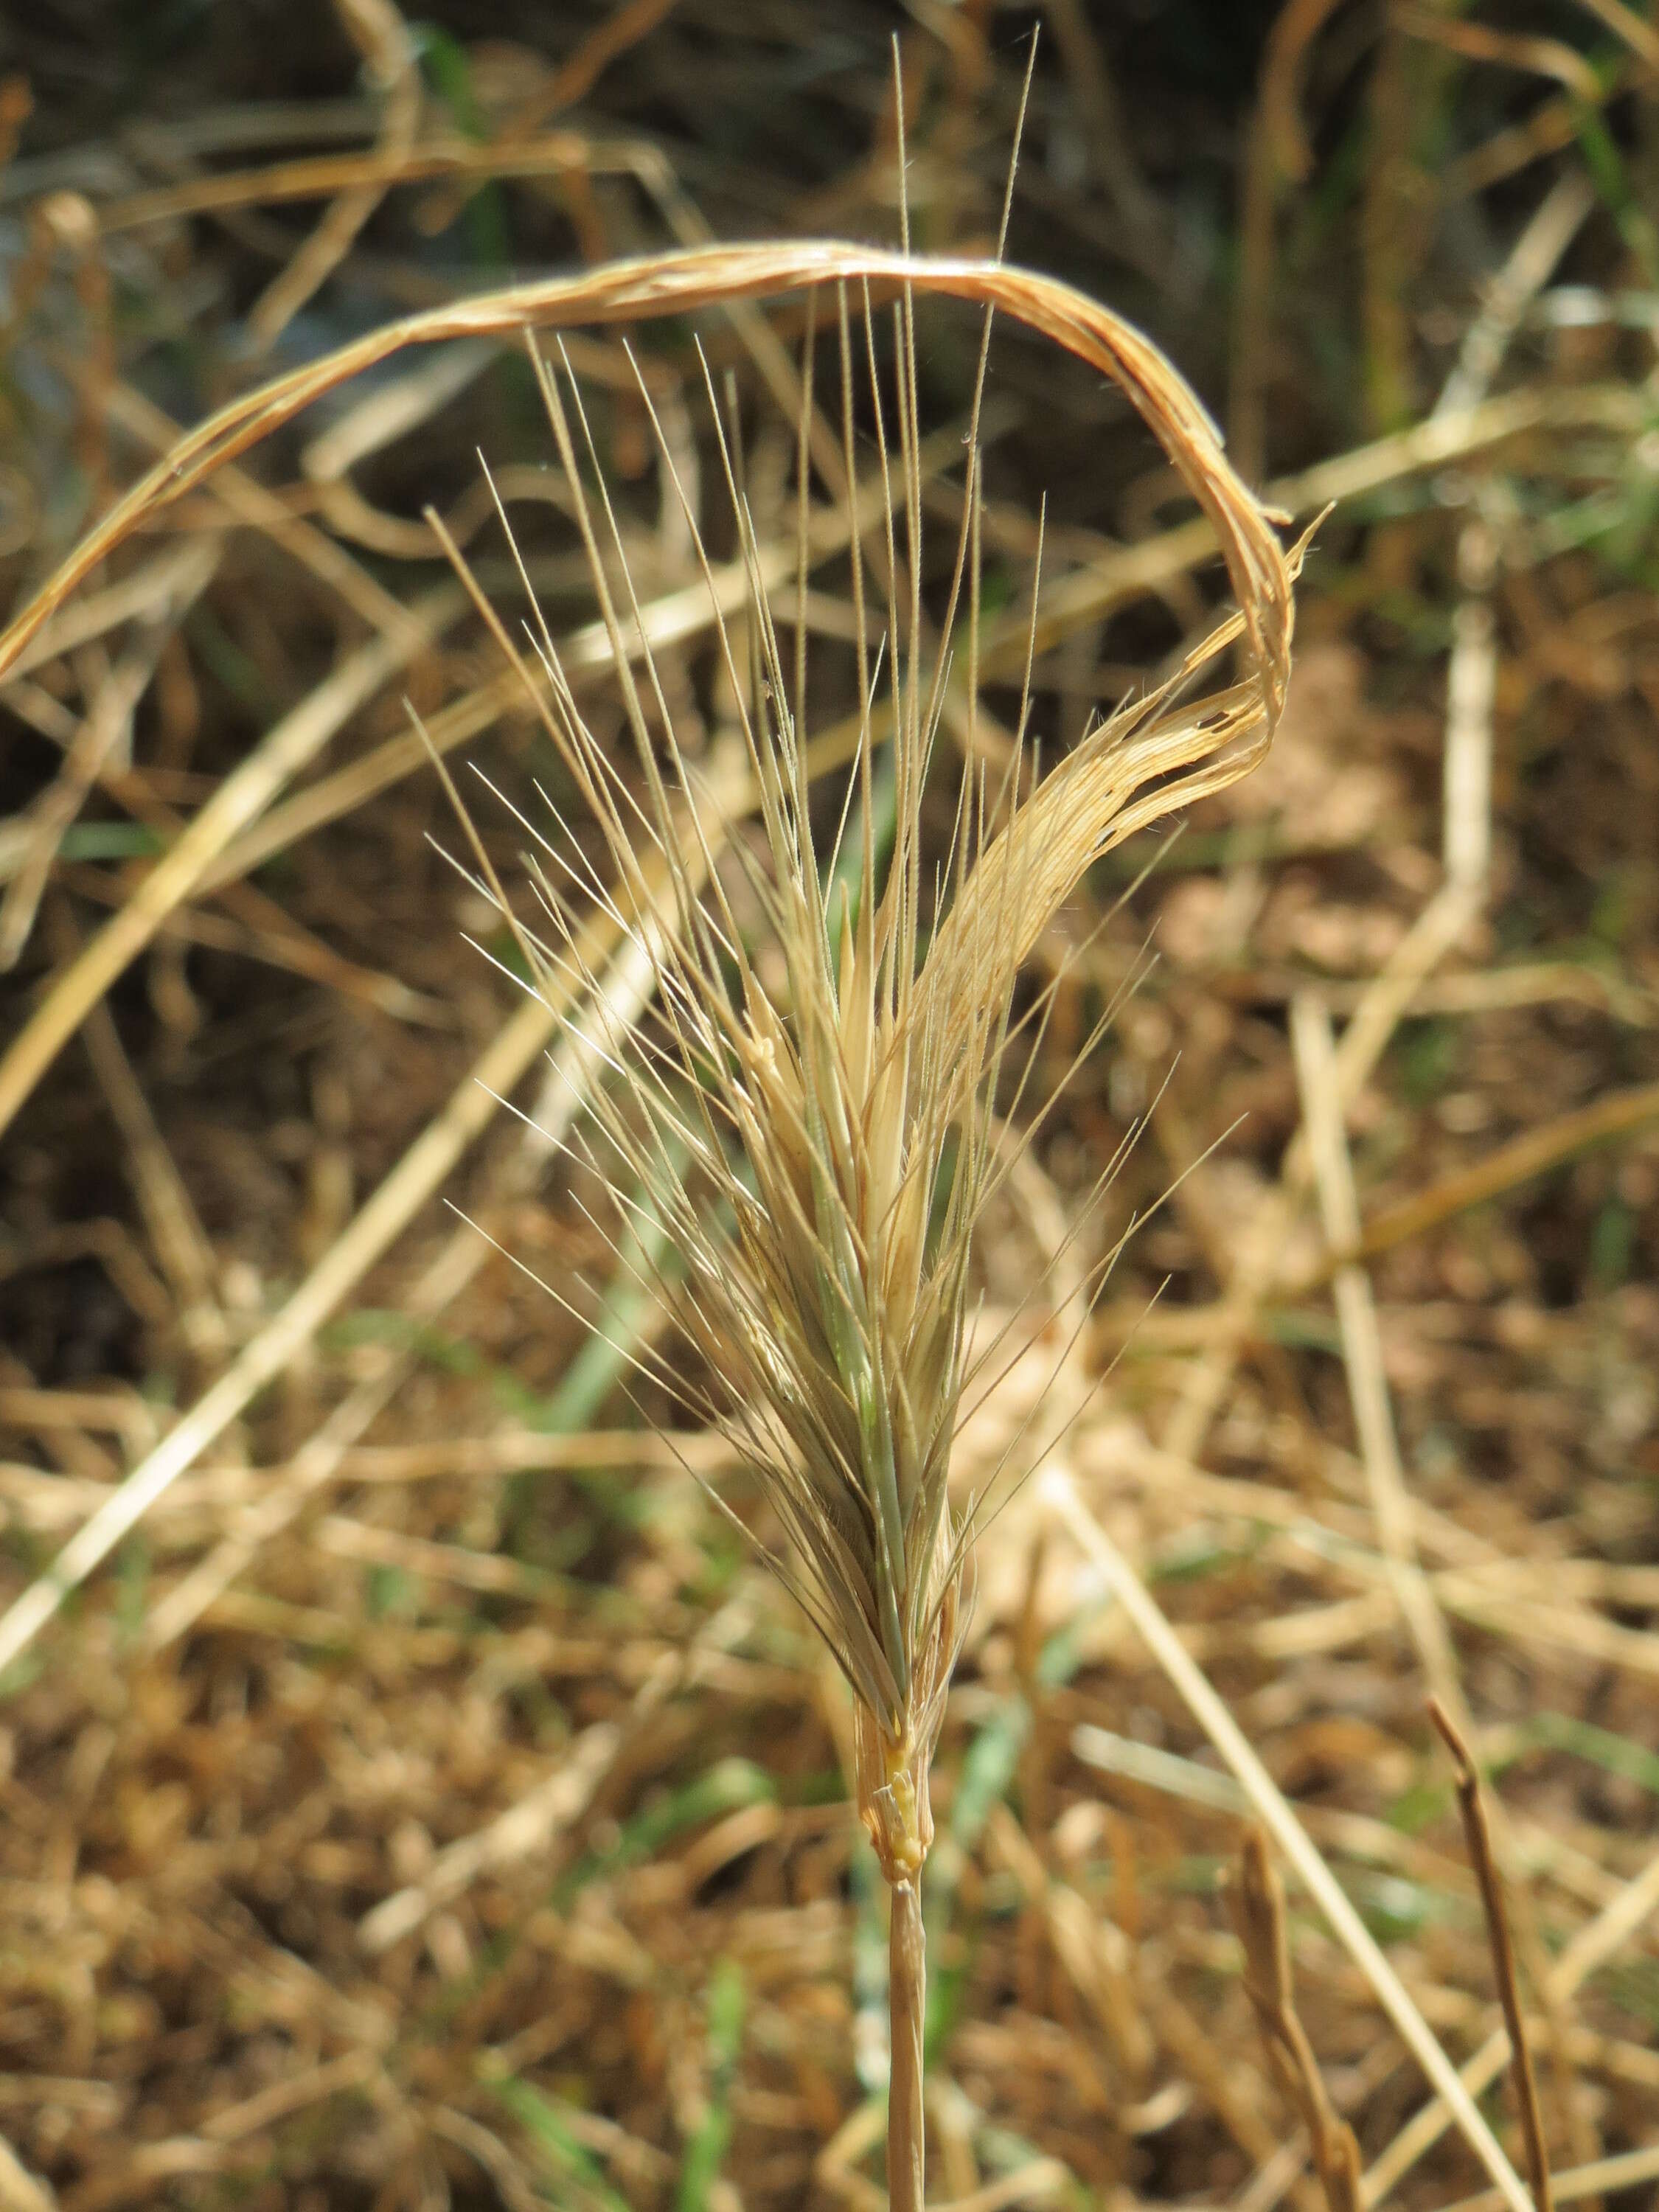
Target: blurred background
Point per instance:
(412, 1792)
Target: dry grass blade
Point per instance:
(1622, 2169)
(499, 1068)
(1315, 1055)
(1532, 1154)
(20, 2189)
(1256, 1901)
(675, 282)
(1614, 1927)
(284, 750)
(1503, 1953)
(390, 56)
(267, 1353)
(1276, 1814)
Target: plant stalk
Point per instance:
(907, 1987)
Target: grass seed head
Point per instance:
(812, 1134)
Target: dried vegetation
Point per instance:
(414, 1790)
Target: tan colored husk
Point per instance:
(892, 1781)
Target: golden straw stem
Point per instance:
(906, 1986)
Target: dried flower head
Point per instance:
(812, 1134)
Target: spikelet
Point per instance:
(817, 1152)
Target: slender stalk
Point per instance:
(1484, 1861)
(907, 1995)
